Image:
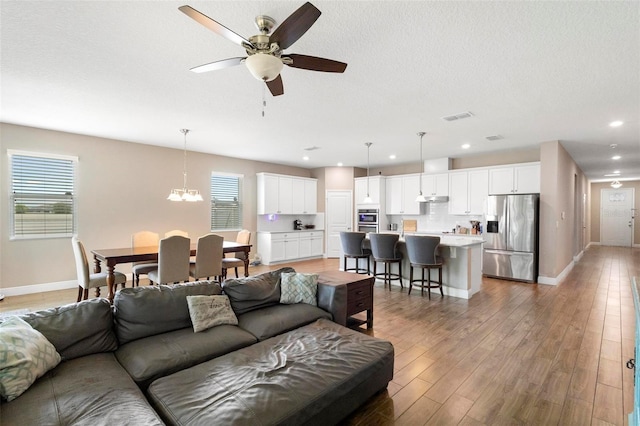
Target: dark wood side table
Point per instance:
(359, 293)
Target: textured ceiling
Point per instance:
(529, 71)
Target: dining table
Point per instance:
(114, 256)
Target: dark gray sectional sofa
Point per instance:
(140, 362)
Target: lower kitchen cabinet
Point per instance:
(276, 247)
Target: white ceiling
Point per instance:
(530, 71)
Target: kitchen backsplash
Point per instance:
(284, 222)
(436, 219)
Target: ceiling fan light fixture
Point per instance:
(263, 66)
(616, 184)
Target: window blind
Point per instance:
(42, 195)
(226, 202)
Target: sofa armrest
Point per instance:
(333, 299)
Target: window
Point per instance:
(226, 202)
(42, 195)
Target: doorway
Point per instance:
(339, 217)
(616, 223)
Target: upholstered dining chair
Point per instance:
(143, 239)
(352, 248)
(173, 261)
(384, 248)
(243, 237)
(208, 257)
(422, 254)
(176, 232)
(87, 280)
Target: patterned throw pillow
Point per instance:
(210, 311)
(25, 355)
(298, 288)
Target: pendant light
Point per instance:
(421, 198)
(367, 199)
(184, 194)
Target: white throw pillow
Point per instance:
(25, 355)
(298, 288)
(210, 311)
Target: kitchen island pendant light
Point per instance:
(421, 198)
(185, 194)
(367, 199)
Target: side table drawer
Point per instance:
(359, 298)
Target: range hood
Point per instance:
(437, 199)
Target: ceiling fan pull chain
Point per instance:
(264, 99)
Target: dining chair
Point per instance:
(384, 248)
(422, 254)
(208, 258)
(87, 280)
(176, 232)
(352, 248)
(173, 261)
(243, 237)
(143, 239)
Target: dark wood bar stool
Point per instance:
(422, 254)
(384, 249)
(352, 247)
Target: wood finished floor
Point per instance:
(514, 354)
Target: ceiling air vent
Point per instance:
(460, 116)
(494, 137)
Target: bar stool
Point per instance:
(384, 249)
(422, 254)
(352, 248)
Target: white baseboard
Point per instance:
(578, 256)
(557, 280)
(40, 288)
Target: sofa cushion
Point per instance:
(90, 390)
(258, 291)
(91, 322)
(272, 320)
(314, 375)
(146, 311)
(210, 311)
(25, 355)
(299, 288)
(160, 355)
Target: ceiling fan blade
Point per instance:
(295, 25)
(218, 65)
(314, 63)
(275, 86)
(214, 26)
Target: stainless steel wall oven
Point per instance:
(368, 220)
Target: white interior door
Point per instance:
(339, 217)
(616, 224)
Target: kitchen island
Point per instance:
(462, 263)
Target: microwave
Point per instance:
(368, 216)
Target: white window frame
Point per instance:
(11, 153)
(240, 178)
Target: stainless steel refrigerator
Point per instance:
(511, 237)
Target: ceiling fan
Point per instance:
(265, 50)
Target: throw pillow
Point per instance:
(298, 288)
(210, 311)
(25, 355)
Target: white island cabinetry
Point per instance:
(275, 247)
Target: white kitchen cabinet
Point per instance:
(401, 195)
(284, 246)
(283, 194)
(520, 179)
(468, 192)
(435, 185)
(376, 190)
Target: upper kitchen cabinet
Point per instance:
(376, 190)
(468, 191)
(401, 195)
(521, 179)
(435, 185)
(281, 194)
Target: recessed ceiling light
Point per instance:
(616, 123)
(617, 172)
(305, 158)
(392, 156)
(466, 146)
(339, 164)
(616, 157)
